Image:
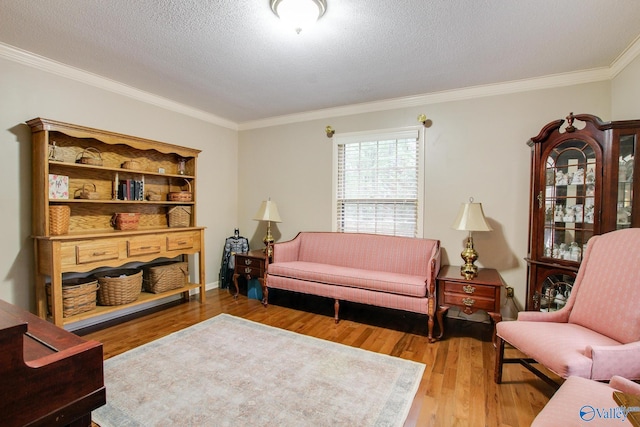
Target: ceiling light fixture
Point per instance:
(299, 14)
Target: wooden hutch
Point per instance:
(91, 242)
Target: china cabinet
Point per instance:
(99, 177)
(584, 182)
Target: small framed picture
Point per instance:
(58, 187)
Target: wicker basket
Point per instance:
(132, 165)
(86, 193)
(59, 217)
(119, 287)
(90, 156)
(181, 196)
(125, 221)
(179, 216)
(152, 196)
(78, 296)
(166, 276)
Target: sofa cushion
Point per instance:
(368, 251)
(396, 283)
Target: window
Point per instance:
(378, 182)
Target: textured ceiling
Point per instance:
(232, 59)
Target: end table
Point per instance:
(251, 265)
(480, 293)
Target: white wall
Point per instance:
(474, 148)
(27, 93)
(625, 93)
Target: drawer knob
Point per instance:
(247, 270)
(247, 261)
(99, 253)
(468, 302)
(468, 289)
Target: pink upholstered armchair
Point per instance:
(580, 401)
(596, 335)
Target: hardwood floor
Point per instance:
(457, 387)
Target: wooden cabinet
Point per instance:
(98, 174)
(584, 177)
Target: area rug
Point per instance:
(228, 371)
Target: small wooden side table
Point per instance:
(480, 293)
(251, 265)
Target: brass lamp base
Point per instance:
(268, 241)
(469, 255)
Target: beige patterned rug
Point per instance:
(228, 371)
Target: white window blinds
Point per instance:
(378, 182)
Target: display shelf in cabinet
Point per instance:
(92, 243)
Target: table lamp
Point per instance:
(470, 218)
(268, 212)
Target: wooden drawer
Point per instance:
(252, 271)
(469, 302)
(95, 251)
(144, 245)
(180, 241)
(471, 289)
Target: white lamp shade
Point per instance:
(471, 218)
(268, 212)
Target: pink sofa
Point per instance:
(386, 271)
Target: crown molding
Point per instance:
(45, 64)
(547, 82)
(625, 58)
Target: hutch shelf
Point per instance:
(98, 174)
(584, 177)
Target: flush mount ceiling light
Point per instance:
(299, 14)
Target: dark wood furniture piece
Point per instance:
(583, 180)
(50, 377)
(480, 293)
(251, 265)
(101, 160)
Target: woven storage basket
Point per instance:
(90, 156)
(87, 193)
(59, 217)
(152, 196)
(179, 216)
(119, 287)
(181, 196)
(78, 296)
(164, 277)
(125, 221)
(132, 164)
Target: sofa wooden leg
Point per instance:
(497, 375)
(336, 309)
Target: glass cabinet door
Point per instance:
(554, 292)
(625, 181)
(569, 200)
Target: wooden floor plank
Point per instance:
(457, 387)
